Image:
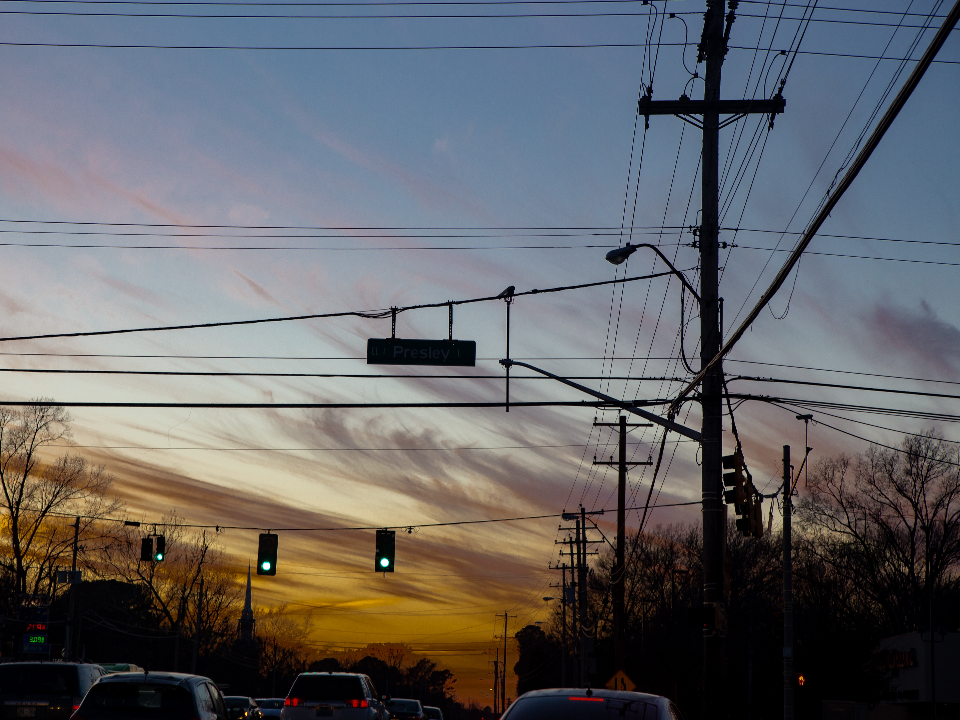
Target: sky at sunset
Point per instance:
(355, 176)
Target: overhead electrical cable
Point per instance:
(367, 314)
(341, 528)
(400, 48)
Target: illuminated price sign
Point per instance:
(35, 638)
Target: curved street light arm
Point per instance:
(620, 254)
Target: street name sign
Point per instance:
(394, 351)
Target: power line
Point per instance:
(315, 406)
(367, 314)
(866, 409)
(348, 376)
(860, 437)
(844, 387)
(338, 528)
(844, 372)
(323, 449)
(405, 16)
(396, 48)
(434, 3)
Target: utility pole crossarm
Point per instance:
(686, 106)
(627, 407)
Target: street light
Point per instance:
(620, 255)
(548, 599)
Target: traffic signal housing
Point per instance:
(386, 551)
(159, 548)
(146, 549)
(735, 480)
(742, 495)
(267, 554)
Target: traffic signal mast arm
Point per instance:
(627, 407)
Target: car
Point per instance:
(340, 696)
(433, 713)
(587, 704)
(242, 708)
(270, 707)
(404, 709)
(145, 695)
(48, 691)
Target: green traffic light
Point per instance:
(159, 557)
(265, 565)
(384, 562)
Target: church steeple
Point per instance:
(247, 622)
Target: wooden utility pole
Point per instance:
(619, 569)
(711, 50)
(787, 590)
(68, 650)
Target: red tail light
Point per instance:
(355, 703)
(291, 702)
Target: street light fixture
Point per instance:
(620, 255)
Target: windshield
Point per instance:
(563, 707)
(270, 704)
(233, 702)
(138, 700)
(410, 706)
(39, 680)
(327, 687)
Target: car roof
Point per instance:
(324, 672)
(170, 678)
(599, 692)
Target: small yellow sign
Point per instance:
(620, 681)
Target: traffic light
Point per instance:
(146, 549)
(160, 549)
(736, 480)
(267, 554)
(743, 496)
(386, 550)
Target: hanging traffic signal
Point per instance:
(747, 503)
(160, 549)
(146, 549)
(736, 480)
(267, 554)
(386, 550)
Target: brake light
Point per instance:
(355, 703)
(586, 699)
(291, 702)
(76, 707)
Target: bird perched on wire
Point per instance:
(508, 293)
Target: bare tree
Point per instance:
(37, 492)
(889, 522)
(283, 643)
(174, 583)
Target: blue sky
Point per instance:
(362, 140)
